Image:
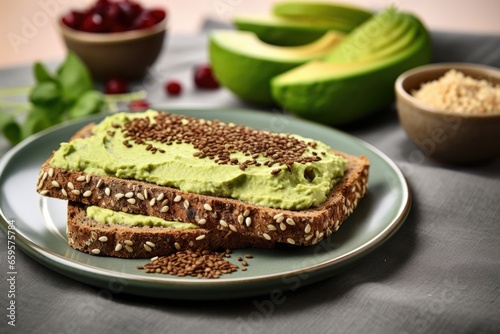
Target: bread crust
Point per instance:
(90, 236)
(304, 227)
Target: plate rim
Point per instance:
(72, 269)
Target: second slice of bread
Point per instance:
(121, 240)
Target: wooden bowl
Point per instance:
(126, 54)
(446, 135)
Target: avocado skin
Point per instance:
(292, 34)
(298, 23)
(239, 81)
(342, 99)
(320, 11)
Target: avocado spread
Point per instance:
(207, 157)
(106, 216)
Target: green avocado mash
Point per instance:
(295, 187)
(106, 216)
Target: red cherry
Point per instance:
(93, 23)
(129, 11)
(117, 28)
(73, 19)
(110, 17)
(135, 7)
(144, 20)
(158, 14)
(204, 77)
(173, 88)
(138, 105)
(100, 7)
(125, 14)
(116, 85)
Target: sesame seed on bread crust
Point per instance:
(303, 227)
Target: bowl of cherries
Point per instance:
(115, 37)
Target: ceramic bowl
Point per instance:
(447, 135)
(126, 54)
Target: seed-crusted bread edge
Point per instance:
(304, 227)
(117, 240)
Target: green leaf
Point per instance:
(45, 93)
(53, 113)
(35, 121)
(89, 103)
(9, 128)
(41, 73)
(74, 78)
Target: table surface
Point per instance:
(439, 273)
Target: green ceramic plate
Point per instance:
(40, 222)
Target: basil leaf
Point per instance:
(54, 113)
(89, 103)
(9, 128)
(45, 93)
(35, 121)
(74, 78)
(41, 73)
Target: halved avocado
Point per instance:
(336, 93)
(246, 65)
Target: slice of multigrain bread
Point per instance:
(120, 240)
(303, 227)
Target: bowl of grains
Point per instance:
(451, 111)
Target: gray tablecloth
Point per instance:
(440, 273)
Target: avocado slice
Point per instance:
(245, 65)
(288, 32)
(375, 35)
(341, 92)
(299, 23)
(320, 11)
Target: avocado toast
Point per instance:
(240, 186)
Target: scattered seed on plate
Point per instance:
(205, 264)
